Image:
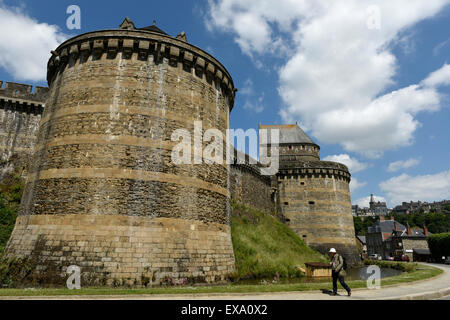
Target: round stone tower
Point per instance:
(103, 192)
(314, 195)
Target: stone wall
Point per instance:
(315, 203)
(249, 187)
(20, 113)
(102, 192)
(410, 243)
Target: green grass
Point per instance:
(423, 272)
(263, 246)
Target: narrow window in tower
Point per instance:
(302, 183)
(286, 203)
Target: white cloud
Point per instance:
(438, 78)
(252, 103)
(364, 202)
(398, 165)
(25, 44)
(355, 184)
(256, 107)
(353, 164)
(440, 46)
(407, 188)
(338, 70)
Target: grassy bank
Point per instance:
(421, 273)
(263, 246)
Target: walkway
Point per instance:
(435, 288)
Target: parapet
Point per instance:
(144, 43)
(21, 97)
(23, 91)
(316, 168)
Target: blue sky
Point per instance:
(367, 80)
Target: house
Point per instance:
(405, 242)
(362, 246)
(378, 233)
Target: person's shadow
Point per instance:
(327, 291)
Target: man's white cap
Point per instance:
(332, 250)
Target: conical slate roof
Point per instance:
(153, 28)
(290, 133)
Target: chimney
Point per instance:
(425, 231)
(409, 228)
(392, 219)
(381, 218)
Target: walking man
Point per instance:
(338, 272)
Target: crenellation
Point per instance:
(174, 49)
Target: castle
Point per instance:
(101, 191)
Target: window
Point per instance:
(312, 203)
(286, 203)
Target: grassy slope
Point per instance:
(264, 246)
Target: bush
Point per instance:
(11, 190)
(397, 265)
(13, 271)
(439, 245)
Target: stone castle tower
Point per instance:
(102, 192)
(314, 195)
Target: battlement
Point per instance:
(142, 44)
(23, 91)
(316, 168)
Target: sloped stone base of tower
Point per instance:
(123, 250)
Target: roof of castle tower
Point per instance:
(153, 28)
(290, 133)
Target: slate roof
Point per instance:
(386, 226)
(290, 133)
(362, 239)
(153, 28)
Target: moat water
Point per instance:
(352, 274)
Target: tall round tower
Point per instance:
(314, 195)
(103, 192)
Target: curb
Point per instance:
(430, 295)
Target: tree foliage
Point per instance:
(439, 245)
(11, 190)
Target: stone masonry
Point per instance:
(20, 113)
(102, 192)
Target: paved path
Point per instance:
(435, 288)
